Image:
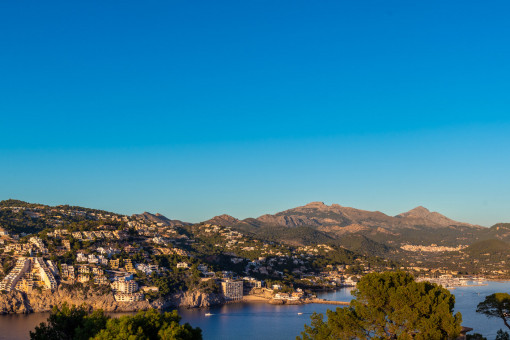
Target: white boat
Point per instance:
(208, 314)
(299, 313)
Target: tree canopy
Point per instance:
(147, 325)
(390, 305)
(496, 305)
(70, 323)
(76, 323)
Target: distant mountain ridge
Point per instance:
(318, 214)
(355, 228)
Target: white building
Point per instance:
(45, 274)
(128, 297)
(232, 290)
(92, 259)
(80, 257)
(123, 286)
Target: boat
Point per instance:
(300, 313)
(208, 314)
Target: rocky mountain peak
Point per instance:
(422, 213)
(316, 205)
(419, 211)
(224, 220)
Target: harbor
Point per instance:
(449, 282)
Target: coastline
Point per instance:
(261, 299)
(21, 303)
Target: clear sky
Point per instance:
(197, 108)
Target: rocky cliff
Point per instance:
(17, 302)
(190, 299)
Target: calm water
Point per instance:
(260, 320)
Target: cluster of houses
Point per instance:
(293, 296)
(99, 267)
(21, 249)
(88, 235)
(39, 244)
(33, 272)
(158, 233)
(234, 240)
(92, 259)
(315, 249)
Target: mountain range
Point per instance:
(344, 219)
(367, 231)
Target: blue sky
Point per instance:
(193, 109)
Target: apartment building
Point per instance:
(45, 274)
(232, 290)
(128, 265)
(114, 264)
(29, 273)
(10, 281)
(124, 286)
(128, 297)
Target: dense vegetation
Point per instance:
(493, 247)
(390, 305)
(75, 323)
(362, 244)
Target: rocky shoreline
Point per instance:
(16, 302)
(21, 303)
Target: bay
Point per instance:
(260, 320)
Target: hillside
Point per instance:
(414, 237)
(26, 218)
(490, 247)
(499, 231)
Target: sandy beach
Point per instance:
(254, 298)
